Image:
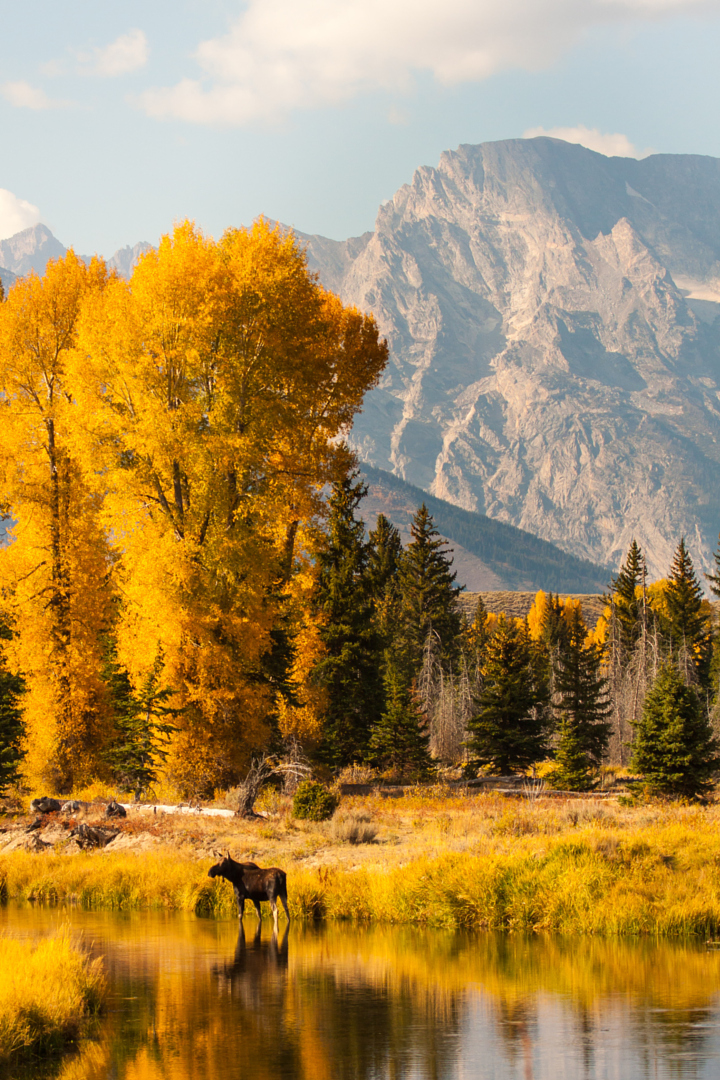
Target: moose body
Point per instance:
(252, 883)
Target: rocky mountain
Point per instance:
(553, 322)
(487, 554)
(32, 248)
(125, 259)
(29, 250)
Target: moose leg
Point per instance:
(273, 904)
(240, 903)
(258, 908)
(283, 901)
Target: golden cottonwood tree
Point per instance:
(213, 388)
(54, 576)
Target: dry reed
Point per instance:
(48, 990)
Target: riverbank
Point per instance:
(48, 991)
(478, 862)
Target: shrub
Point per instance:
(354, 827)
(313, 801)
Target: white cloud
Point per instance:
(127, 53)
(612, 145)
(15, 214)
(281, 55)
(25, 96)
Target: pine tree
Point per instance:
(581, 702)
(508, 732)
(428, 597)
(143, 723)
(714, 579)
(554, 627)
(350, 671)
(674, 748)
(384, 550)
(628, 608)
(685, 625)
(11, 728)
(399, 739)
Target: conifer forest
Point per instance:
(189, 581)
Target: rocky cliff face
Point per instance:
(553, 322)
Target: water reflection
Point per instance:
(191, 998)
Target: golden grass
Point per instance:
(48, 989)
(576, 867)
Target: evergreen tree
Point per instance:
(475, 638)
(554, 627)
(384, 551)
(428, 597)
(143, 726)
(350, 671)
(714, 579)
(508, 732)
(399, 740)
(11, 728)
(674, 748)
(685, 625)
(628, 608)
(581, 702)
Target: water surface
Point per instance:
(189, 1000)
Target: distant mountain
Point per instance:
(32, 248)
(554, 331)
(488, 555)
(7, 278)
(126, 259)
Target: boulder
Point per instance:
(45, 805)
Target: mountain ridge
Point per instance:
(32, 249)
(552, 316)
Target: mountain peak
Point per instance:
(553, 317)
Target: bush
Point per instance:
(314, 802)
(353, 828)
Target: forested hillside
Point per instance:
(509, 558)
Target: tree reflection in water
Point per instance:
(189, 1000)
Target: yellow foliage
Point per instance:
(301, 714)
(55, 574)
(214, 387)
(164, 444)
(47, 991)
(538, 612)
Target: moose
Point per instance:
(250, 882)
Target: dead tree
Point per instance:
(293, 766)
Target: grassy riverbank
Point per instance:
(487, 861)
(48, 990)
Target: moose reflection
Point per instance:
(256, 968)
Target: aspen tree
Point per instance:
(55, 572)
(215, 385)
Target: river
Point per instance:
(189, 1000)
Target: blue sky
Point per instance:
(119, 119)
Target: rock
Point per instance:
(144, 841)
(21, 840)
(554, 330)
(46, 805)
(89, 836)
(114, 809)
(73, 806)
